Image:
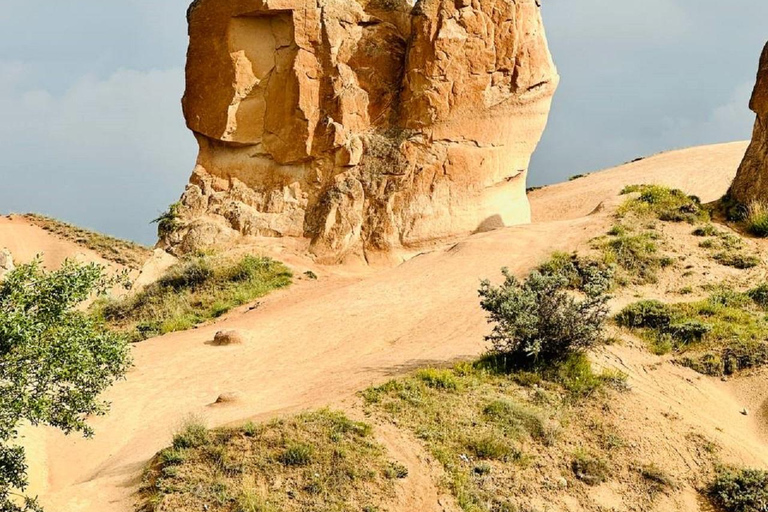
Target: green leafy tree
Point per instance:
(55, 361)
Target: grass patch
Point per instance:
(589, 468)
(122, 252)
(756, 221)
(739, 490)
(320, 461)
(663, 203)
(637, 256)
(722, 334)
(737, 260)
(193, 291)
(489, 426)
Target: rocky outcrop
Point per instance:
(6, 263)
(751, 182)
(364, 126)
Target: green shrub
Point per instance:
(651, 314)
(759, 294)
(664, 203)
(539, 320)
(690, 331)
(706, 230)
(438, 379)
(192, 291)
(395, 471)
(297, 454)
(757, 219)
(638, 255)
(168, 221)
(585, 275)
(589, 468)
(192, 435)
(744, 490)
(737, 260)
(490, 447)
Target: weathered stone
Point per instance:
(364, 126)
(230, 337)
(6, 262)
(751, 182)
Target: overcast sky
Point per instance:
(91, 129)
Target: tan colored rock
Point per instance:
(366, 126)
(751, 182)
(230, 337)
(6, 262)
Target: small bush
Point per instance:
(737, 260)
(656, 477)
(192, 435)
(539, 320)
(438, 379)
(395, 471)
(759, 295)
(757, 219)
(588, 468)
(490, 447)
(690, 331)
(297, 454)
(707, 230)
(646, 314)
(638, 255)
(744, 490)
(664, 203)
(168, 221)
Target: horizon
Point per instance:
(101, 124)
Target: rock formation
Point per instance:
(366, 126)
(6, 263)
(751, 182)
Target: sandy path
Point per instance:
(322, 341)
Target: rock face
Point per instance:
(6, 263)
(365, 126)
(751, 182)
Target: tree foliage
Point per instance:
(55, 361)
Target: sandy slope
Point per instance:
(319, 342)
(26, 240)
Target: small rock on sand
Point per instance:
(230, 337)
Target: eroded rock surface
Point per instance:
(751, 182)
(367, 127)
(6, 263)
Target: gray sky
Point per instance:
(92, 130)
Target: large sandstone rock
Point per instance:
(365, 126)
(751, 182)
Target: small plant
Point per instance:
(647, 313)
(737, 260)
(192, 435)
(706, 230)
(637, 255)
(395, 471)
(539, 320)
(310, 275)
(657, 478)
(168, 221)
(757, 219)
(577, 176)
(740, 490)
(663, 203)
(490, 447)
(297, 454)
(589, 468)
(439, 379)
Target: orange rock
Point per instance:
(364, 126)
(751, 182)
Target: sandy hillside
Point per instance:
(26, 240)
(321, 341)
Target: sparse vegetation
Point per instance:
(486, 425)
(168, 221)
(122, 252)
(663, 203)
(737, 260)
(197, 289)
(320, 461)
(637, 255)
(589, 468)
(722, 334)
(757, 219)
(740, 490)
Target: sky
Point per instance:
(92, 130)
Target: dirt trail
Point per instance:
(320, 342)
